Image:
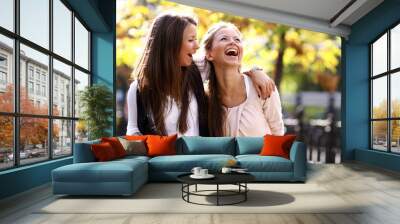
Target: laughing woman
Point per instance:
(235, 109)
(168, 96)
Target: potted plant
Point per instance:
(96, 102)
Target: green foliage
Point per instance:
(96, 102)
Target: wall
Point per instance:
(355, 100)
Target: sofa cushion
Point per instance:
(161, 145)
(134, 147)
(257, 163)
(185, 163)
(277, 145)
(116, 145)
(249, 145)
(103, 152)
(197, 145)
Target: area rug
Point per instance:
(167, 198)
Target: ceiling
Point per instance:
(328, 16)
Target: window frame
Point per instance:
(16, 114)
(388, 74)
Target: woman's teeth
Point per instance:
(231, 52)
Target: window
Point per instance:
(3, 72)
(385, 96)
(81, 45)
(35, 22)
(3, 78)
(62, 29)
(41, 83)
(62, 75)
(37, 74)
(7, 14)
(3, 61)
(43, 90)
(30, 72)
(6, 90)
(30, 87)
(38, 89)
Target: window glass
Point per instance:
(379, 135)
(395, 95)
(62, 138)
(62, 91)
(81, 45)
(379, 56)
(379, 98)
(39, 62)
(81, 131)
(33, 140)
(395, 47)
(62, 29)
(395, 136)
(6, 74)
(6, 142)
(7, 14)
(81, 81)
(34, 21)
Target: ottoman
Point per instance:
(119, 177)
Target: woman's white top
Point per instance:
(171, 115)
(255, 116)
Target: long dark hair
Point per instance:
(159, 72)
(216, 111)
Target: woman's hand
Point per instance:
(263, 83)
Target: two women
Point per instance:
(168, 97)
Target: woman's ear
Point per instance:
(209, 56)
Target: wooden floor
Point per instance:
(377, 188)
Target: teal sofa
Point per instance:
(125, 176)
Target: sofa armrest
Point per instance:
(298, 157)
(83, 152)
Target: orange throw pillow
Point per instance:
(277, 145)
(136, 137)
(103, 152)
(161, 145)
(116, 145)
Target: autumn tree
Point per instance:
(380, 127)
(33, 130)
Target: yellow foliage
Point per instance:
(309, 52)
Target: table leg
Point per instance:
(217, 194)
(196, 188)
(245, 191)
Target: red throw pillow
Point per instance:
(103, 152)
(136, 137)
(277, 145)
(116, 145)
(161, 145)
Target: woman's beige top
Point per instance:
(255, 117)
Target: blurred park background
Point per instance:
(305, 66)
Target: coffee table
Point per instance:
(238, 179)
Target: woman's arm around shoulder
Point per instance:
(272, 108)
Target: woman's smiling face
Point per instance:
(189, 45)
(227, 48)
